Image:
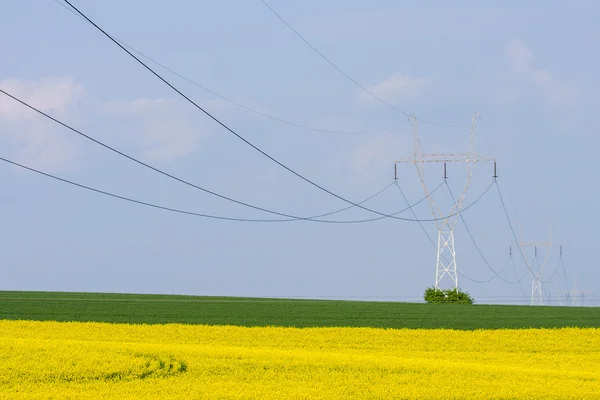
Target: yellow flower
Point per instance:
(120, 361)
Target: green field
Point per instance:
(153, 309)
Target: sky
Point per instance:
(529, 69)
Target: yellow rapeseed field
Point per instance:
(119, 361)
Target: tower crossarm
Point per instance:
(537, 244)
(446, 222)
(536, 283)
(443, 158)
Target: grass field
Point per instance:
(282, 348)
(160, 309)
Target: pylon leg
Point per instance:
(446, 259)
(536, 293)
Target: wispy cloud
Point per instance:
(35, 141)
(554, 92)
(54, 94)
(161, 127)
(396, 88)
(380, 151)
(45, 147)
(520, 57)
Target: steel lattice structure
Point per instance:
(446, 254)
(537, 297)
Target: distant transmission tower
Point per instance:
(537, 298)
(576, 295)
(446, 255)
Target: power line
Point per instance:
(255, 111)
(477, 247)
(191, 213)
(497, 274)
(487, 141)
(292, 217)
(565, 275)
(518, 280)
(517, 276)
(129, 199)
(344, 73)
(415, 215)
(349, 207)
(493, 276)
(398, 212)
(555, 269)
(429, 237)
(245, 107)
(413, 211)
(515, 236)
(98, 142)
(281, 164)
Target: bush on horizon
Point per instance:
(440, 296)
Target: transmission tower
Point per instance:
(446, 255)
(537, 270)
(577, 295)
(561, 297)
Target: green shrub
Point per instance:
(433, 295)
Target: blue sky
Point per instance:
(529, 68)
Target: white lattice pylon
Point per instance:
(446, 267)
(537, 298)
(536, 293)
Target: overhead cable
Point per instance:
(281, 164)
(565, 275)
(354, 81)
(493, 276)
(517, 276)
(162, 172)
(245, 107)
(129, 199)
(144, 164)
(496, 274)
(514, 234)
(431, 240)
(186, 212)
(555, 269)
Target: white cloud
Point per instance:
(169, 140)
(509, 95)
(520, 56)
(521, 62)
(140, 106)
(54, 94)
(555, 93)
(562, 94)
(541, 76)
(162, 127)
(45, 147)
(380, 152)
(36, 142)
(397, 87)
